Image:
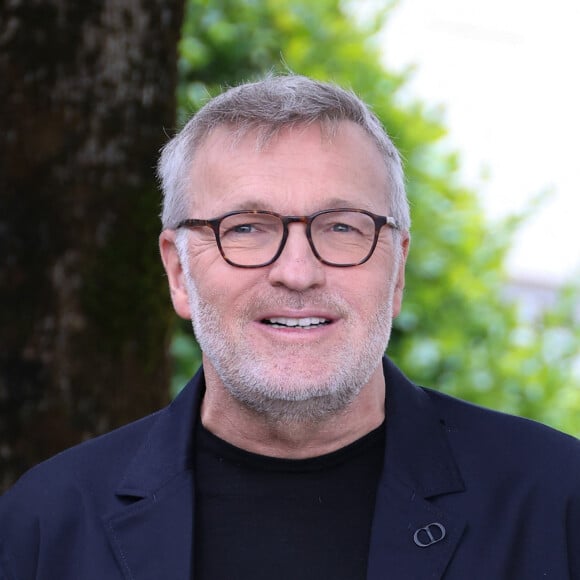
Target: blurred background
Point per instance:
(480, 99)
(505, 77)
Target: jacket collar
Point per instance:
(153, 535)
(417, 451)
(168, 450)
(412, 537)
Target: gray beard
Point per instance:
(303, 398)
(295, 398)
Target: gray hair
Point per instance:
(267, 106)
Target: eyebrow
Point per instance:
(332, 203)
(250, 205)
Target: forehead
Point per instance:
(297, 170)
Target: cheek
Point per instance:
(207, 267)
(204, 256)
(361, 294)
(375, 298)
(228, 290)
(370, 282)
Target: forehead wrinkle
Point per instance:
(332, 203)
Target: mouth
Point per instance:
(306, 323)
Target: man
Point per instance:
(298, 451)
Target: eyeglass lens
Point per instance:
(339, 238)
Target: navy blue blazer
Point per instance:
(466, 494)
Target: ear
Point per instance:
(404, 241)
(175, 274)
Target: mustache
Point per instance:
(300, 301)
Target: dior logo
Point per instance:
(429, 535)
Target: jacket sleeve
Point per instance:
(19, 535)
(573, 534)
(5, 574)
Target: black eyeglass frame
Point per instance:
(379, 221)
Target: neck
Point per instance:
(233, 422)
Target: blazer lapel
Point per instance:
(152, 536)
(412, 538)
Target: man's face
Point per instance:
(297, 339)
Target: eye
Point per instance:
(242, 229)
(341, 228)
(242, 226)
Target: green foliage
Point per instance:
(186, 356)
(456, 332)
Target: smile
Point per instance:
(308, 322)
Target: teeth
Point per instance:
(283, 322)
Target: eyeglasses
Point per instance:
(337, 237)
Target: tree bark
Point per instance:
(88, 91)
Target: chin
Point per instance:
(289, 395)
(298, 407)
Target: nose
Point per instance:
(297, 268)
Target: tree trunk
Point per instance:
(87, 92)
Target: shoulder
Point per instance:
(91, 468)
(525, 471)
(477, 437)
(97, 467)
(506, 443)
(61, 500)
(65, 501)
